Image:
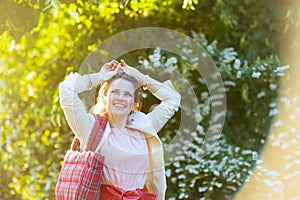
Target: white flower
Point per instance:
(273, 86)
(228, 58)
(157, 51)
(239, 74)
(200, 129)
(202, 189)
(155, 58)
(203, 54)
(198, 117)
(171, 64)
(145, 63)
(205, 110)
(168, 172)
(256, 74)
(273, 104)
(261, 94)
(262, 68)
(254, 155)
(281, 69)
(181, 196)
(237, 64)
(210, 49)
(181, 176)
(172, 60)
(187, 51)
(273, 112)
(204, 95)
(215, 172)
(229, 83)
(176, 164)
(228, 55)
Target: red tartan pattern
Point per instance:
(81, 174)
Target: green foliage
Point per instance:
(39, 45)
(248, 86)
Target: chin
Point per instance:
(120, 113)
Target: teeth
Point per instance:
(119, 105)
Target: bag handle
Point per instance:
(95, 136)
(75, 144)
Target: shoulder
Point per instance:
(141, 122)
(138, 119)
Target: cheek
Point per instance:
(131, 103)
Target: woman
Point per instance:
(133, 152)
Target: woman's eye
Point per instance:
(128, 95)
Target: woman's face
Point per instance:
(120, 98)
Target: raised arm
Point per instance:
(170, 99)
(81, 122)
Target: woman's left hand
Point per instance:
(127, 69)
(140, 77)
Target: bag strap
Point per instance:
(95, 136)
(75, 144)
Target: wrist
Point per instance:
(142, 79)
(95, 79)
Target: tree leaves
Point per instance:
(42, 41)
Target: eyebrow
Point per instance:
(122, 90)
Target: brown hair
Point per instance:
(99, 108)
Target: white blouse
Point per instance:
(126, 159)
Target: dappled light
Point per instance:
(253, 45)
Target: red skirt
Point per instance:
(109, 192)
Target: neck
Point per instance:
(117, 121)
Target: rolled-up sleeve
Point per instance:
(170, 102)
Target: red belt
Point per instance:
(109, 192)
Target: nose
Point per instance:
(120, 96)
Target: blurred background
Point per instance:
(254, 44)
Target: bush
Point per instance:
(248, 86)
(36, 56)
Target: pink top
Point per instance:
(126, 159)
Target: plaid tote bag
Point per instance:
(80, 176)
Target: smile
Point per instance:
(120, 105)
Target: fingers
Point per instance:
(121, 69)
(116, 66)
(123, 63)
(112, 65)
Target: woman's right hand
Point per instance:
(110, 69)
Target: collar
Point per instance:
(141, 122)
(138, 121)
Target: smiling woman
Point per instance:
(121, 91)
(134, 165)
